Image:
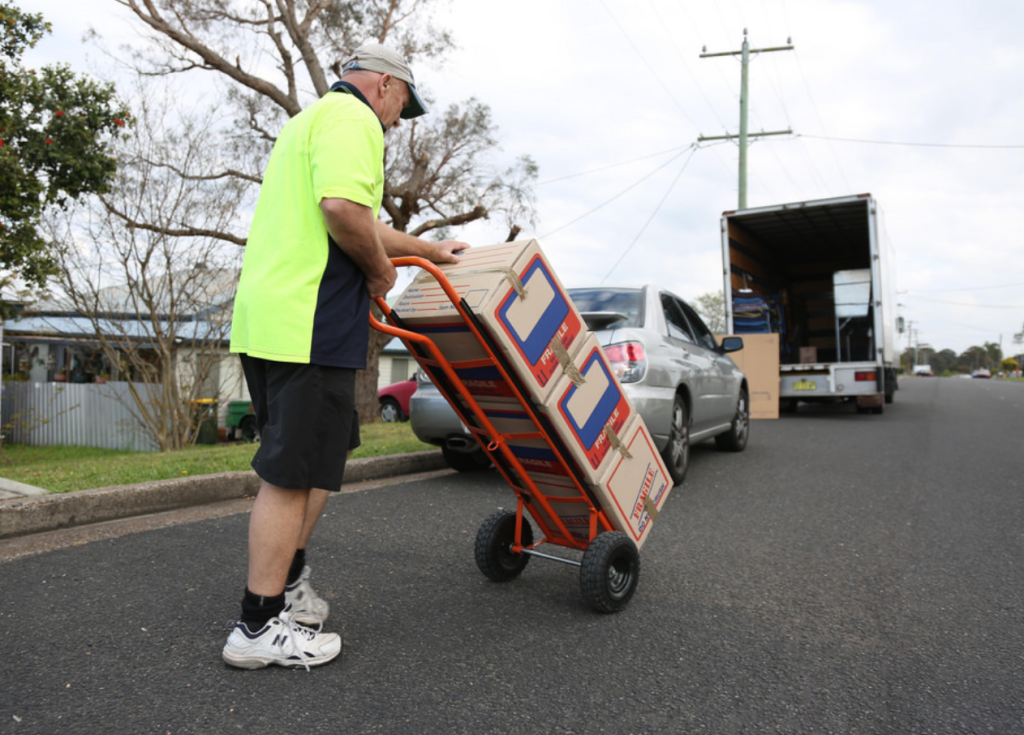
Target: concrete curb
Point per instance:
(28, 515)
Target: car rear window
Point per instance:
(625, 301)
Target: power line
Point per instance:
(615, 165)
(609, 201)
(649, 219)
(921, 145)
(653, 71)
(968, 288)
(1018, 307)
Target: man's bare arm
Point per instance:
(397, 244)
(355, 230)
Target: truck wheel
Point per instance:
(493, 549)
(250, 432)
(610, 571)
(735, 440)
(473, 461)
(677, 451)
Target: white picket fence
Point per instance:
(75, 414)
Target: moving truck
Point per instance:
(818, 274)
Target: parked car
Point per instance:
(981, 373)
(394, 400)
(678, 377)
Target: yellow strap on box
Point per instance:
(651, 508)
(616, 442)
(565, 360)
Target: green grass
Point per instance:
(64, 469)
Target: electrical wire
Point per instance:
(653, 71)
(649, 219)
(908, 143)
(614, 165)
(968, 288)
(1018, 307)
(627, 189)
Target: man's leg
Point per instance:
(275, 528)
(267, 634)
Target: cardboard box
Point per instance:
(759, 361)
(631, 478)
(808, 355)
(588, 409)
(634, 489)
(517, 297)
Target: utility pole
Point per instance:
(744, 54)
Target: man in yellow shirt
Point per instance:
(315, 255)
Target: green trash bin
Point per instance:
(204, 419)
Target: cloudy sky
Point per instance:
(910, 101)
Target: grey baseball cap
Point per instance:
(381, 59)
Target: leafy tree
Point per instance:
(711, 307)
(275, 56)
(56, 128)
(1009, 365)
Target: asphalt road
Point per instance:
(845, 574)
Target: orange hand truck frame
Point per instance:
(610, 566)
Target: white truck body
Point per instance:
(824, 277)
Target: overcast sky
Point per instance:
(608, 96)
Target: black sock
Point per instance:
(257, 609)
(298, 564)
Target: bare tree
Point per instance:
(275, 56)
(145, 266)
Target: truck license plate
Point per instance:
(805, 385)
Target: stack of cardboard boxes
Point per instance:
(523, 310)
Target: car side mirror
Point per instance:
(731, 344)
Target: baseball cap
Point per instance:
(381, 59)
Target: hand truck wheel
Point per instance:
(610, 571)
(493, 548)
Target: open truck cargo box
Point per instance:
(817, 274)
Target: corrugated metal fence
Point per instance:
(76, 414)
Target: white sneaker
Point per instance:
(283, 642)
(307, 606)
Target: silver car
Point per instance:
(669, 364)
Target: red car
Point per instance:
(394, 400)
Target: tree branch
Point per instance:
(184, 232)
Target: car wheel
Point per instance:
(677, 451)
(610, 571)
(250, 432)
(390, 411)
(493, 548)
(473, 461)
(735, 440)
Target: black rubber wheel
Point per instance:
(677, 451)
(735, 440)
(249, 430)
(390, 411)
(610, 571)
(473, 461)
(493, 549)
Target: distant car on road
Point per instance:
(923, 371)
(678, 377)
(394, 400)
(981, 373)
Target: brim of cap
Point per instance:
(416, 107)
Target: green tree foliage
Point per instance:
(55, 129)
(711, 307)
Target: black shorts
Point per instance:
(307, 420)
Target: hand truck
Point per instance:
(610, 564)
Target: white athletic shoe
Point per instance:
(307, 606)
(282, 642)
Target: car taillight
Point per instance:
(865, 376)
(628, 360)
